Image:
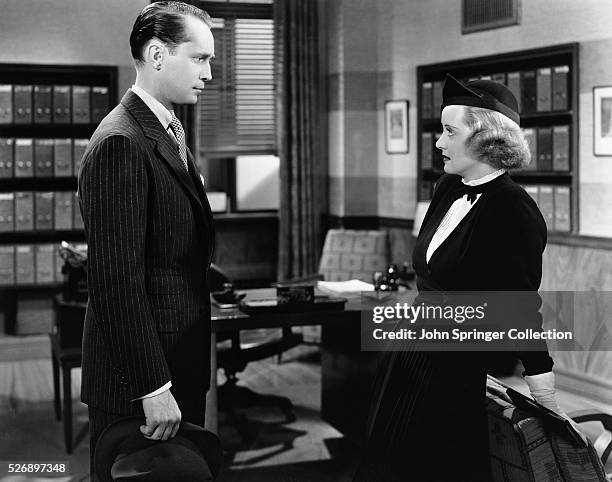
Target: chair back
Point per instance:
(352, 254)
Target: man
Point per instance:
(149, 228)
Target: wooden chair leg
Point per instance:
(66, 379)
(57, 401)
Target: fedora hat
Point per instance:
(480, 93)
(122, 454)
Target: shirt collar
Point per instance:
(484, 179)
(163, 114)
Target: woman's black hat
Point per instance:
(480, 93)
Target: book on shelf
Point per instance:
(7, 265)
(543, 85)
(42, 104)
(561, 150)
(24, 211)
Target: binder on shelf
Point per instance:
(24, 264)
(547, 205)
(7, 212)
(7, 265)
(44, 262)
(561, 151)
(529, 91)
(24, 211)
(43, 205)
(6, 104)
(545, 149)
(562, 208)
(63, 210)
(436, 154)
(42, 104)
(514, 84)
(7, 157)
(77, 220)
(532, 142)
(499, 77)
(61, 104)
(533, 191)
(24, 158)
(99, 103)
(436, 99)
(426, 98)
(426, 150)
(59, 262)
(78, 149)
(544, 103)
(81, 113)
(22, 104)
(425, 189)
(560, 92)
(43, 157)
(62, 155)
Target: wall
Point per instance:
(69, 32)
(393, 37)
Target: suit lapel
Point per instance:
(165, 147)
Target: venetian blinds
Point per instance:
(237, 108)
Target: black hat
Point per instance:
(481, 93)
(123, 453)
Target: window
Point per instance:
(236, 112)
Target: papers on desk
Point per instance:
(351, 288)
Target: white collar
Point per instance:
(484, 179)
(163, 114)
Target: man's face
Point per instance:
(186, 69)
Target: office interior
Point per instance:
(367, 59)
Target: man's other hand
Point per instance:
(162, 416)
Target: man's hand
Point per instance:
(162, 416)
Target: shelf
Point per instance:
(35, 237)
(11, 184)
(43, 131)
(544, 130)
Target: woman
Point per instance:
(482, 232)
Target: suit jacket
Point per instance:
(150, 238)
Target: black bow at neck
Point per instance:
(471, 191)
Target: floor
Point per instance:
(259, 447)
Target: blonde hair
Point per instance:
(496, 139)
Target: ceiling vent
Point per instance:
(488, 14)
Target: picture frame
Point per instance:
(396, 127)
(602, 121)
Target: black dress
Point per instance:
(427, 418)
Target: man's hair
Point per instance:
(496, 139)
(165, 22)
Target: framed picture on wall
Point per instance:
(396, 126)
(602, 121)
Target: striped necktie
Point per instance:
(179, 133)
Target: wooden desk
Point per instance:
(334, 322)
(233, 319)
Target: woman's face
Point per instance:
(452, 143)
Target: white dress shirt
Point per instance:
(456, 213)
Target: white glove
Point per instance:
(542, 389)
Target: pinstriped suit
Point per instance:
(151, 238)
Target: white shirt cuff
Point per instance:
(159, 391)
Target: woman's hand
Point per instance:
(542, 389)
